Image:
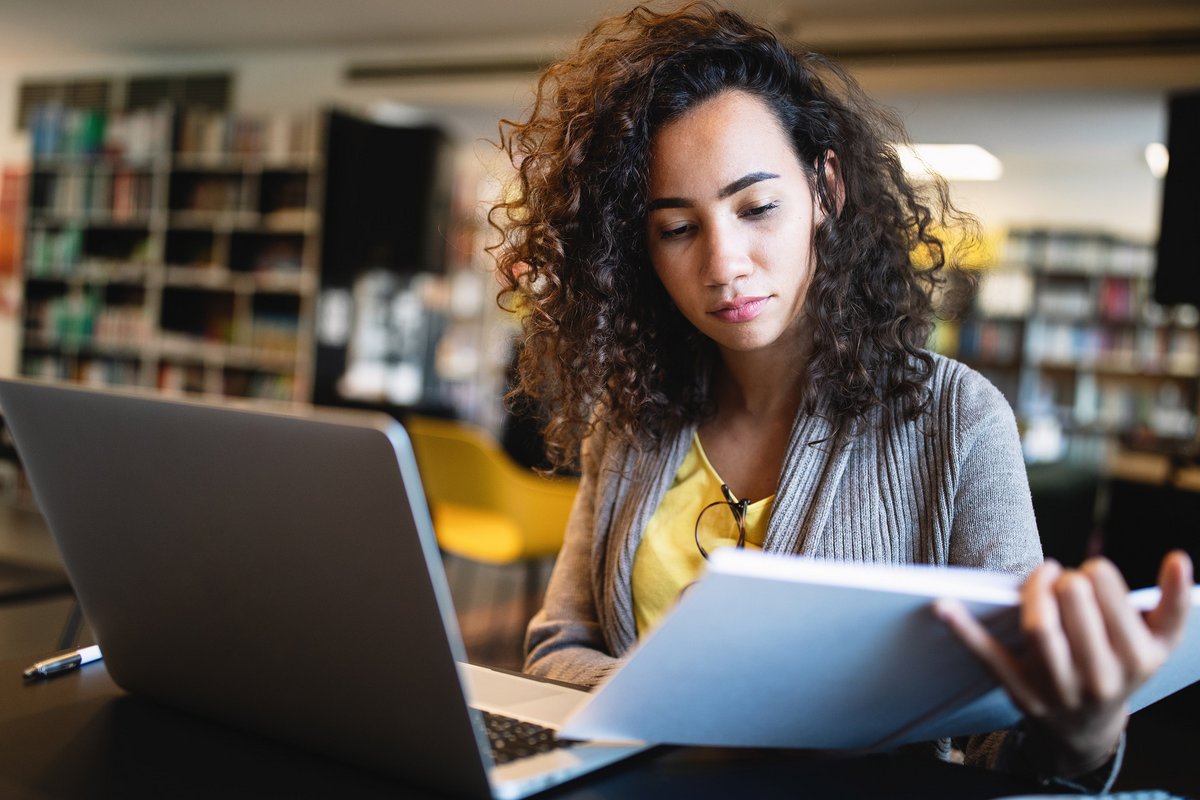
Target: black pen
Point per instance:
(63, 662)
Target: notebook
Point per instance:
(843, 656)
(279, 572)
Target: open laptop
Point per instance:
(278, 571)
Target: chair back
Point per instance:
(463, 465)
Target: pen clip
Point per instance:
(63, 662)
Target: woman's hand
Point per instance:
(1086, 651)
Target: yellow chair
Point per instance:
(486, 507)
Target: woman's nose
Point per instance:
(726, 256)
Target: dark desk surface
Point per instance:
(79, 736)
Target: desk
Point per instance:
(79, 736)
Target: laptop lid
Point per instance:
(277, 571)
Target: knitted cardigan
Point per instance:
(947, 488)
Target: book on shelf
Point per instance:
(1080, 252)
(60, 132)
(990, 342)
(137, 136)
(780, 651)
(266, 138)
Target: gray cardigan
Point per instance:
(947, 488)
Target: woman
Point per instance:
(725, 279)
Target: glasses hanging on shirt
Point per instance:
(736, 507)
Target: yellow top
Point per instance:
(667, 559)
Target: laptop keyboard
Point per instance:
(513, 738)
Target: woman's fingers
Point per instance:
(1175, 581)
(1041, 623)
(1087, 647)
(1133, 643)
(994, 655)
(1099, 674)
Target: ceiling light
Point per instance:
(954, 162)
(1157, 158)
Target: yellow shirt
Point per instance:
(667, 559)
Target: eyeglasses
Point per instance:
(736, 507)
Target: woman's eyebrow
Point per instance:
(743, 182)
(727, 191)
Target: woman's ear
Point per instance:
(832, 178)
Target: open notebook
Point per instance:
(795, 652)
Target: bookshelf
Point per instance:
(1066, 326)
(175, 249)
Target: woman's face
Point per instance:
(730, 226)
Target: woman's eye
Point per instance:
(674, 232)
(758, 211)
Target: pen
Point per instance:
(63, 662)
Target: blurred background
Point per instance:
(284, 201)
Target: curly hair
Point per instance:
(600, 332)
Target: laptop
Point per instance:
(279, 571)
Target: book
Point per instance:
(781, 651)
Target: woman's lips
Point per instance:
(740, 309)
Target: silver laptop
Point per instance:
(279, 571)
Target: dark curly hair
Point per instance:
(600, 331)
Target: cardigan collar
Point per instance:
(637, 480)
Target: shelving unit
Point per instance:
(1065, 325)
(174, 249)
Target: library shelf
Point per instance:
(1066, 327)
(174, 248)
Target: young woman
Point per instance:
(725, 279)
